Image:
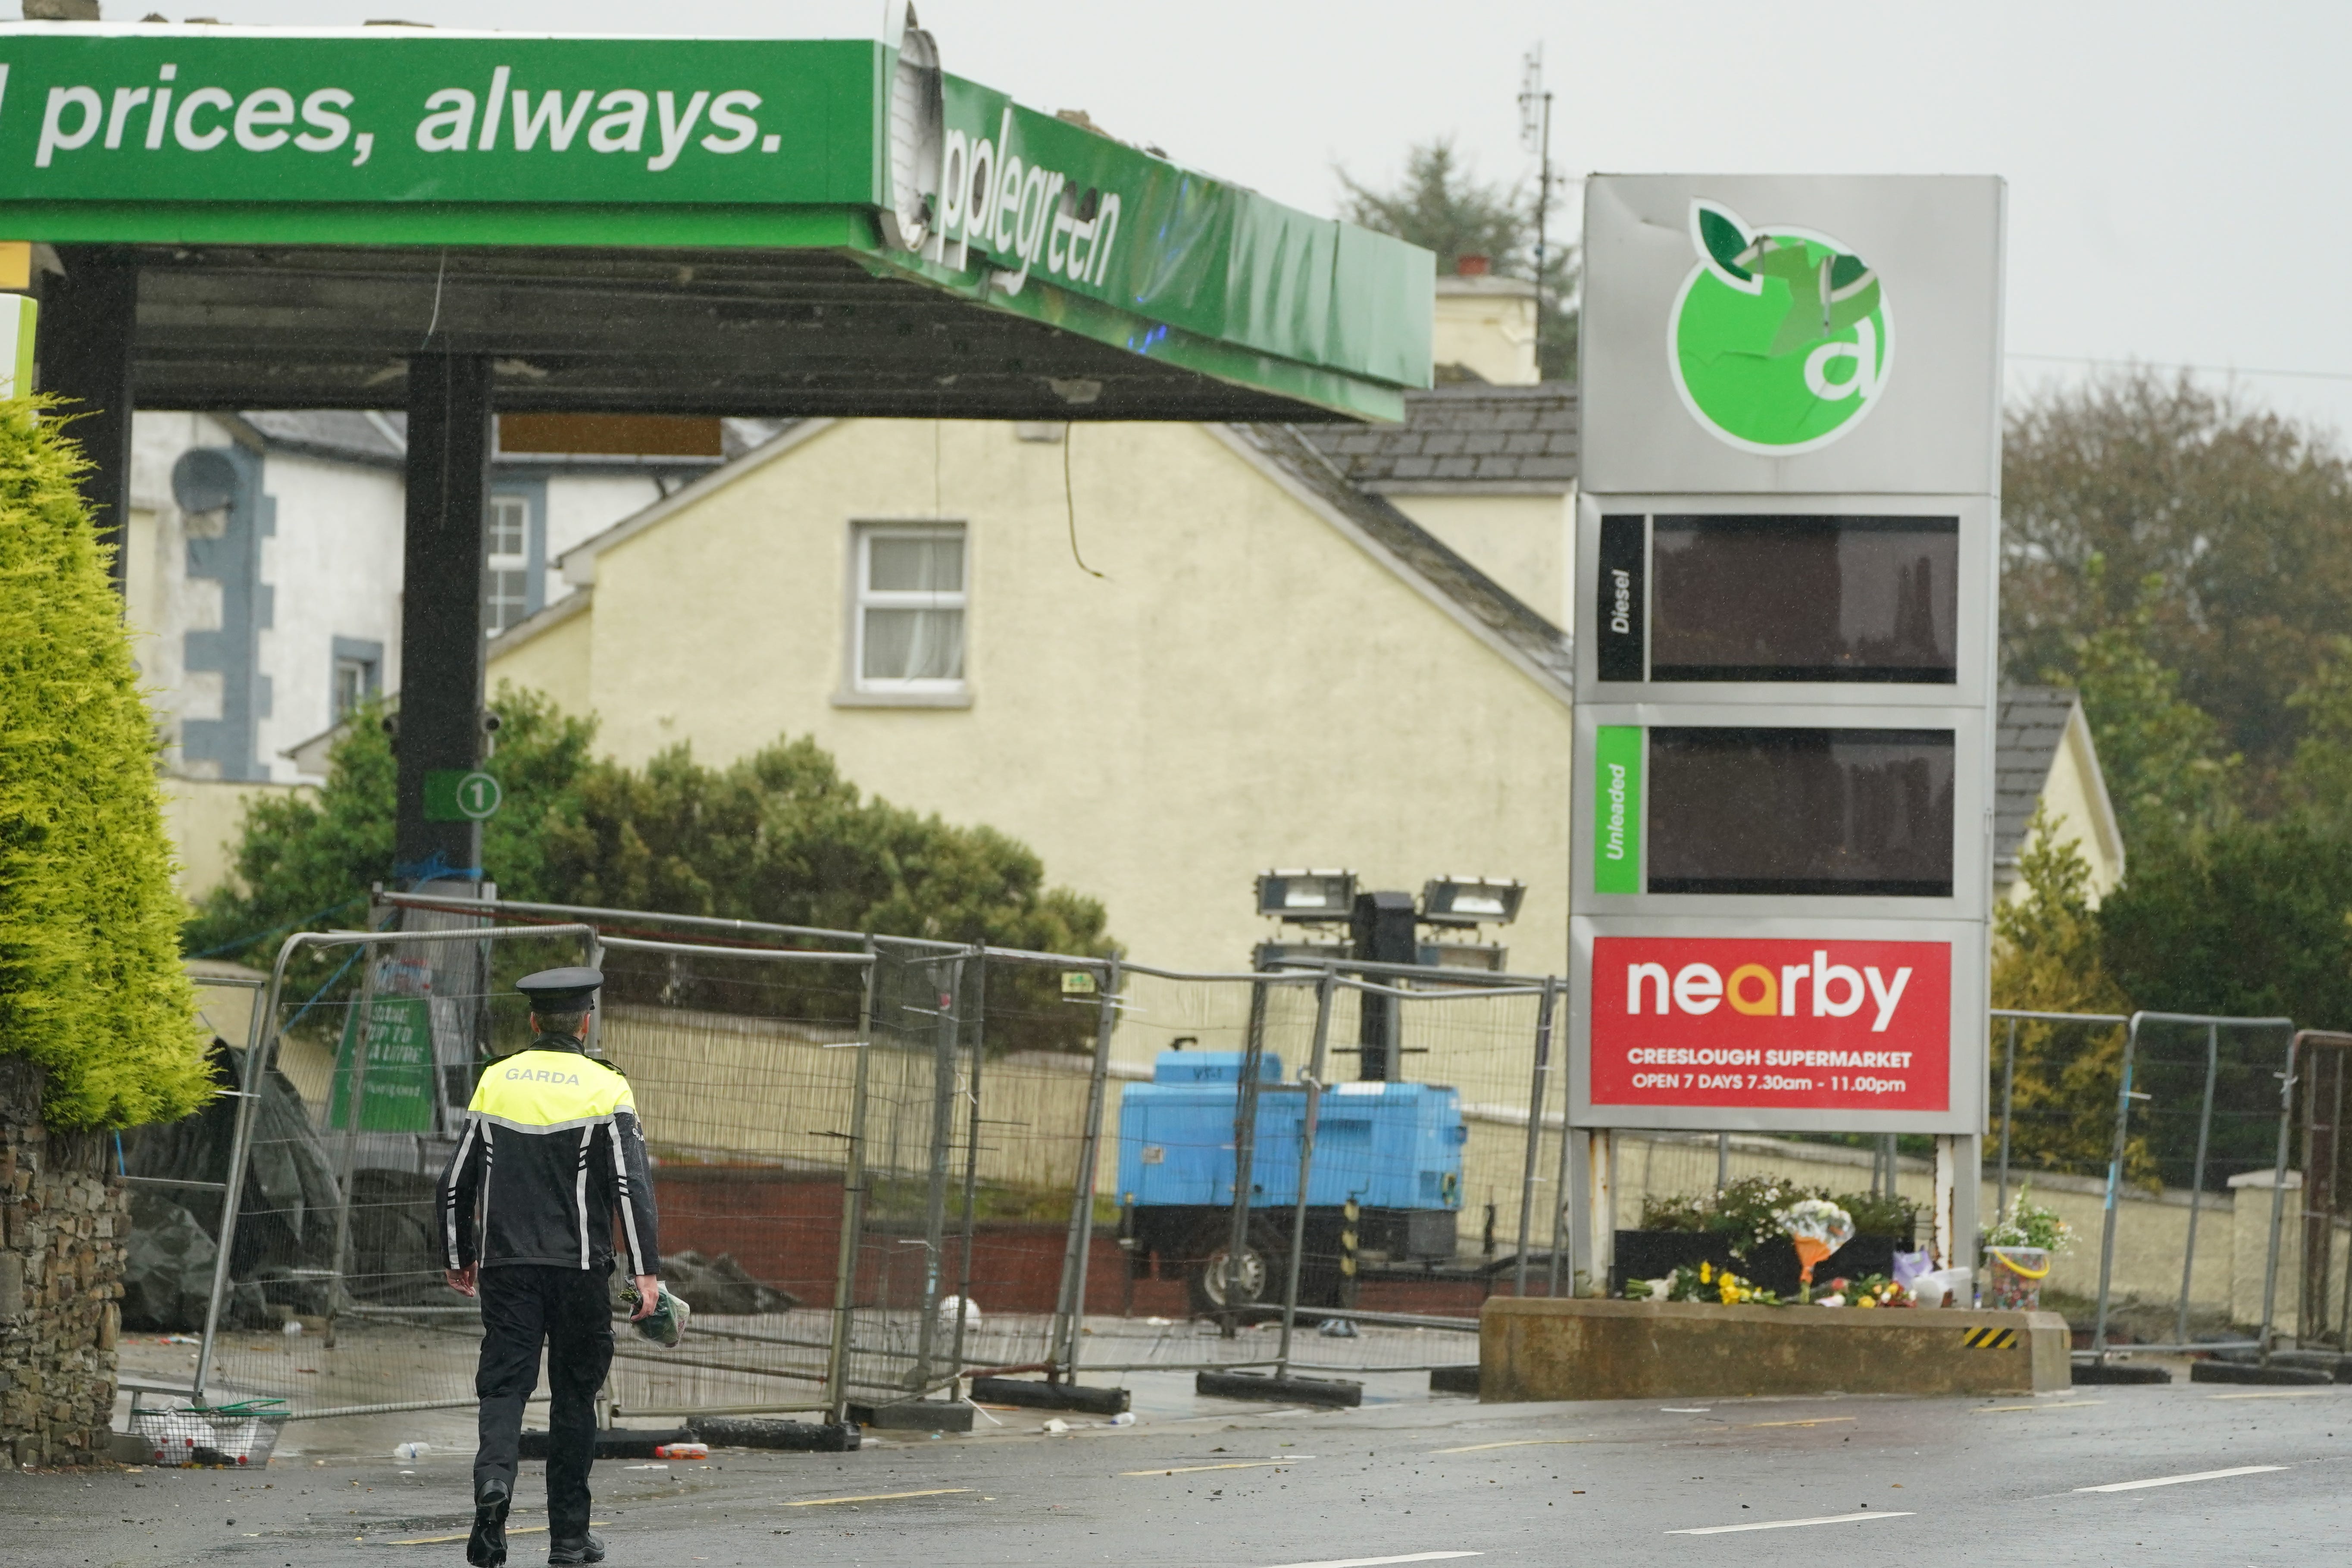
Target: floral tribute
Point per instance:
(1817, 1228)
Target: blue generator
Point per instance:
(1386, 1185)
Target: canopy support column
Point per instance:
(441, 599)
(82, 351)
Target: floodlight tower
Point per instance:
(1385, 928)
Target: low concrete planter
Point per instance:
(1536, 1348)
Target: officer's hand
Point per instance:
(649, 1296)
(461, 1280)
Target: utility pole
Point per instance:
(1535, 136)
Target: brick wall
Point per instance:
(62, 1224)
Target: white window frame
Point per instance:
(516, 562)
(863, 597)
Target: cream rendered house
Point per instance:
(1166, 657)
(2044, 757)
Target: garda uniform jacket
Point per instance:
(551, 1150)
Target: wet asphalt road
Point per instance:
(1914, 1482)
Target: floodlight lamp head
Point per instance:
(1486, 957)
(1472, 901)
(1307, 897)
(1268, 957)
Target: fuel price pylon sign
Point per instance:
(1787, 553)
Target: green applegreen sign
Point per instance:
(1779, 340)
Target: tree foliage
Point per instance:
(1442, 206)
(92, 987)
(2241, 516)
(2047, 959)
(779, 835)
(2168, 771)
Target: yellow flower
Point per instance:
(1705, 1273)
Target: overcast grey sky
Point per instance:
(2176, 172)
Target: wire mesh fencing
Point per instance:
(327, 1292)
(884, 1165)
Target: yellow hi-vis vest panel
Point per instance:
(549, 1088)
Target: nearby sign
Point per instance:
(1748, 1021)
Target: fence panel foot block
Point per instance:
(1034, 1394)
(914, 1416)
(1281, 1390)
(1536, 1348)
(2119, 1372)
(766, 1432)
(2234, 1372)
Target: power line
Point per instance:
(2175, 364)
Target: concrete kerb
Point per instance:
(1535, 1348)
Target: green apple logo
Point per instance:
(1780, 339)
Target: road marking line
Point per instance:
(1196, 1469)
(445, 1540)
(1379, 1562)
(1816, 1421)
(2279, 1394)
(1788, 1523)
(876, 1496)
(1516, 1443)
(2176, 1481)
(2005, 1409)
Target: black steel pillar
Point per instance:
(1382, 931)
(441, 653)
(82, 349)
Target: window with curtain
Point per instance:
(910, 605)
(507, 578)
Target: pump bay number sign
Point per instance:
(1766, 1024)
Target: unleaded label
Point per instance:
(1617, 809)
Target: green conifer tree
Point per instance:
(92, 987)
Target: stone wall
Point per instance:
(62, 1223)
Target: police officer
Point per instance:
(552, 1154)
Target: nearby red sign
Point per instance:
(1772, 1024)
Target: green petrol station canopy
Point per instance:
(739, 226)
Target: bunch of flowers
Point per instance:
(1747, 1213)
(1817, 1227)
(1873, 1290)
(1702, 1282)
(2028, 1224)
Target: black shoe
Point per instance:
(487, 1546)
(589, 1548)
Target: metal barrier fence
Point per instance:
(885, 1165)
(878, 1159)
(2198, 1102)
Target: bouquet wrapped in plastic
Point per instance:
(1818, 1228)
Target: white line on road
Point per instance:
(1379, 1562)
(2279, 1394)
(1517, 1443)
(2008, 1409)
(2176, 1481)
(1788, 1523)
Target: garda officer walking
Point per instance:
(552, 1154)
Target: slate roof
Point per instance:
(343, 433)
(1298, 451)
(1468, 438)
(2028, 729)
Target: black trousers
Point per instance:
(525, 1305)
